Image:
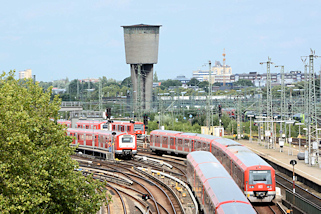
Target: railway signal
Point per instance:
(219, 110)
(108, 113)
(145, 197)
(293, 162)
(145, 119)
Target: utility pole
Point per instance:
(269, 111)
(100, 96)
(239, 115)
(209, 111)
(282, 97)
(311, 120)
(77, 89)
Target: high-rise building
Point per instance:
(25, 74)
(219, 73)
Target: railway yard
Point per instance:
(150, 183)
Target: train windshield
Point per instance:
(139, 127)
(260, 176)
(127, 140)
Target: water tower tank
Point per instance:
(141, 43)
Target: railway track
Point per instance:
(162, 198)
(271, 208)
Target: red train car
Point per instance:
(123, 144)
(67, 123)
(252, 174)
(213, 186)
(137, 128)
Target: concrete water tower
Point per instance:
(141, 47)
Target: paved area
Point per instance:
(284, 158)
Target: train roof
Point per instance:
(166, 131)
(96, 131)
(242, 153)
(236, 208)
(222, 189)
(247, 157)
(123, 121)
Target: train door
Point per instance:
(187, 147)
(165, 142)
(192, 145)
(172, 143)
(180, 144)
(157, 143)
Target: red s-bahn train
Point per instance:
(213, 186)
(123, 144)
(131, 127)
(252, 174)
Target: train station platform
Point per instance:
(283, 159)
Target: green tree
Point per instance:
(155, 79)
(37, 174)
(243, 82)
(126, 82)
(193, 82)
(170, 82)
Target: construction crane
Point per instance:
(224, 66)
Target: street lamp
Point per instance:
(293, 162)
(250, 116)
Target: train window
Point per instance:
(122, 128)
(105, 126)
(180, 142)
(157, 139)
(260, 176)
(186, 143)
(151, 138)
(113, 128)
(198, 145)
(172, 141)
(128, 129)
(127, 139)
(87, 127)
(139, 127)
(119, 128)
(164, 140)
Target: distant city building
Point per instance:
(259, 80)
(219, 73)
(182, 79)
(90, 80)
(25, 74)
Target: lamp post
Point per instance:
(250, 116)
(293, 162)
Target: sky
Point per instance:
(84, 38)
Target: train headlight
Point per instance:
(268, 187)
(251, 187)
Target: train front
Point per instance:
(139, 130)
(126, 145)
(260, 183)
